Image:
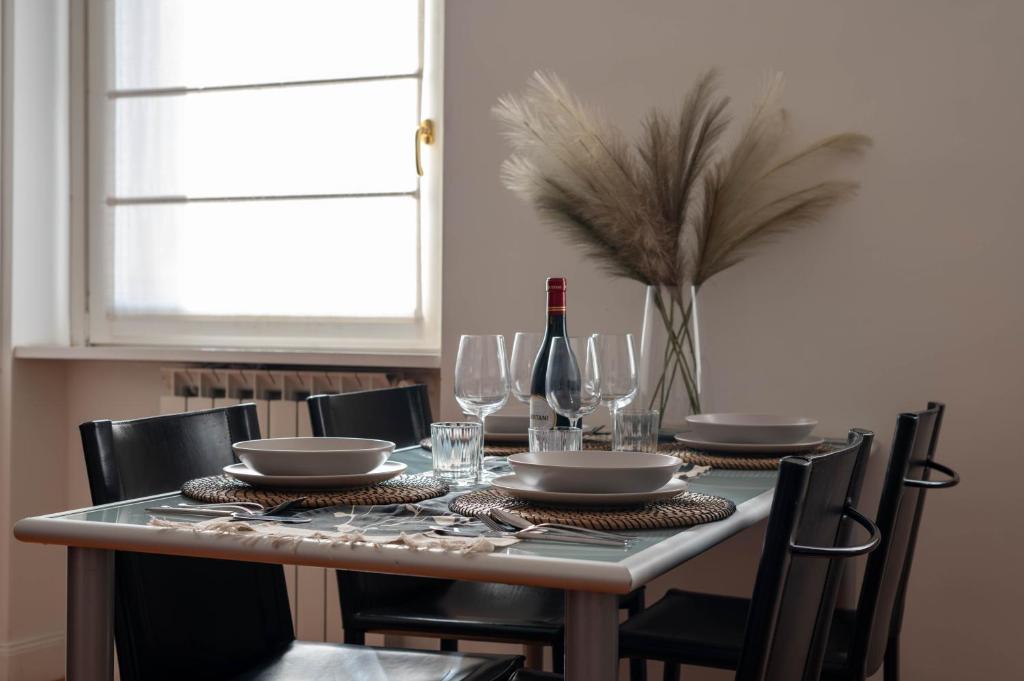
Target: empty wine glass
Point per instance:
(616, 360)
(573, 388)
(481, 378)
(524, 353)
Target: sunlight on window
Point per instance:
(197, 43)
(315, 258)
(321, 139)
(240, 187)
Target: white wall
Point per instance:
(910, 293)
(35, 310)
(40, 173)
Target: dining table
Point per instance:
(592, 576)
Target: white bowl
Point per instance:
(313, 455)
(594, 471)
(750, 428)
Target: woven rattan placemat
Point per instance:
(589, 442)
(405, 489)
(689, 508)
(694, 456)
(728, 461)
(736, 462)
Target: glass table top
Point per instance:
(735, 485)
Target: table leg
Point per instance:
(591, 636)
(90, 635)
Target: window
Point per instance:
(251, 173)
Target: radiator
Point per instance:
(280, 397)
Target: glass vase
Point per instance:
(670, 379)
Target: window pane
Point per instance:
(322, 257)
(345, 138)
(196, 43)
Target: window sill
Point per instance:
(141, 353)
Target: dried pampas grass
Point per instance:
(672, 209)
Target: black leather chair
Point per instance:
(706, 630)
(446, 609)
(798, 576)
(192, 618)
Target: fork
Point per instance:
(208, 509)
(239, 509)
(517, 522)
(544, 534)
(526, 534)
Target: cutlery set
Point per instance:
(590, 478)
(243, 510)
(509, 524)
(499, 523)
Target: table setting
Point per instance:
(499, 480)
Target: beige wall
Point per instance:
(910, 293)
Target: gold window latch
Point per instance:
(424, 135)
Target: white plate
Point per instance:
(389, 470)
(513, 486)
(304, 456)
(590, 471)
(750, 428)
(803, 445)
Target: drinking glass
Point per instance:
(455, 446)
(636, 430)
(616, 360)
(557, 439)
(481, 379)
(573, 389)
(525, 348)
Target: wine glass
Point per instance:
(616, 361)
(573, 389)
(524, 353)
(481, 378)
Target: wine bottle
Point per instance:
(541, 413)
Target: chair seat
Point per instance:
(707, 630)
(471, 610)
(303, 661)
(694, 628)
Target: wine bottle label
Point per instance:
(541, 413)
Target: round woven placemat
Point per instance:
(728, 461)
(589, 442)
(732, 461)
(405, 489)
(688, 455)
(685, 510)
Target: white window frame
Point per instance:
(102, 327)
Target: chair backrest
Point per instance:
(401, 415)
(178, 617)
(798, 577)
(908, 477)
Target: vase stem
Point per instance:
(676, 347)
